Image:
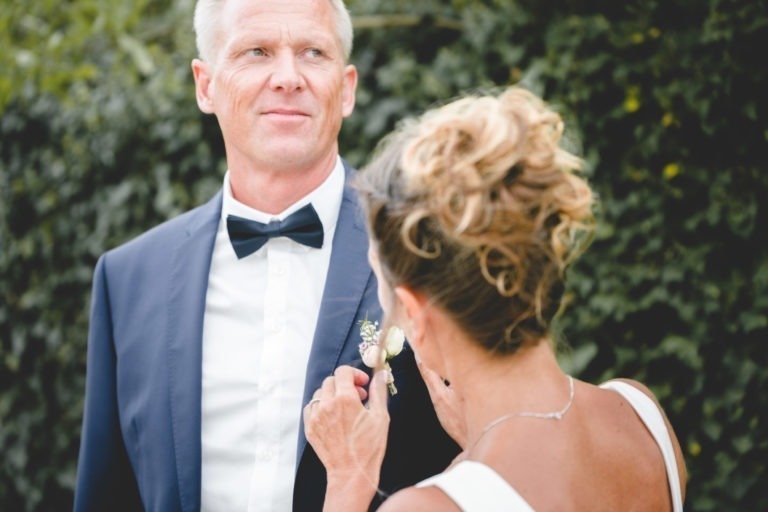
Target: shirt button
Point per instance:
(267, 454)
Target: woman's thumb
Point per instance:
(378, 390)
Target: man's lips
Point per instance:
(286, 112)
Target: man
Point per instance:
(210, 332)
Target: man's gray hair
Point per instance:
(208, 12)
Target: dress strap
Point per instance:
(475, 487)
(653, 419)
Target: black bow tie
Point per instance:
(247, 236)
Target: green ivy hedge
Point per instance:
(100, 139)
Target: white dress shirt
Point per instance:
(260, 318)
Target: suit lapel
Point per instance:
(189, 270)
(348, 281)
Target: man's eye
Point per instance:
(257, 52)
(314, 52)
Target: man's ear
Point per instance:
(414, 307)
(203, 85)
(348, 90)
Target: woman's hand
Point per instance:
(447, 406)
(349, 439)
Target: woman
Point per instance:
(474, 215)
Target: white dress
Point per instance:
(475, 487)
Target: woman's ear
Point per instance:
(413, 305)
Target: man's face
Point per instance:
(277, 83)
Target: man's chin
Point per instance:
(288, 158)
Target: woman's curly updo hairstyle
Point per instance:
(476, 206)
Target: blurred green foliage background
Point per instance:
(100, 139)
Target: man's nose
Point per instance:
(286, 75)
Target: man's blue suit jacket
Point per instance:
(140, 444)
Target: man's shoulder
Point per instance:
(169, 232)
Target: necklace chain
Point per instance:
(555, 415)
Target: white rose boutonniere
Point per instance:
(377, 353)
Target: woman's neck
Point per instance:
(491, 386)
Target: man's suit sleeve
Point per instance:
(105, 480)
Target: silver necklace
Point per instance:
(556, 415)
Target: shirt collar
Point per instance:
(326, 199)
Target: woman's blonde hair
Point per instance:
(476, 205)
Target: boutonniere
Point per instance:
(377, 353)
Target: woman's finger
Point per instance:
(328, 387)
(361, 380)
(354, 377)
(378, 391)
(435, 384)
(446, 403)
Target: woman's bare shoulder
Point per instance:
(419, 498)
(639, 385)
(681, 469)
